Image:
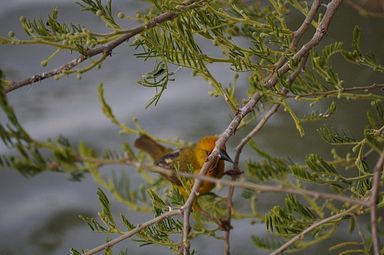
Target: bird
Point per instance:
(186, 159)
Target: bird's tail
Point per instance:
(150, 146)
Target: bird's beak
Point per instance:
(224, 156)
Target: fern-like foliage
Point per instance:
(103, 11)
(292, 219)
(159, 233)
(336, 137)
(269, 168)
(357, 57)
(317, 115)
(247, 39)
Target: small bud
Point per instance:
(78, 76)
(55, 12)
(121, 15)
(22, 19)
(99, 13)
(11, 34)
(44, 63)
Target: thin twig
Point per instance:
(373, 203)
(132, 232)
(331, 92)
(313, 227)
(105, 49)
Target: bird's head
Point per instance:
(204, 148)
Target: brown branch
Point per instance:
(231, 189)
(132, 232)
(313, 227)
(105, 49)
(298, 34)
(373, 203)
(243, 111)
(244, 141)
(229, 183)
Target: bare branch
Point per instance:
(231, 189)
(229, 183)
(298, 34)
(133, 232)
(377, 171)
(241, 145)
(105, 49)
(243, 111)
(313, 227)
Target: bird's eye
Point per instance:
(208, 153)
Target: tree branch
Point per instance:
(105, 49)
(377, 171)
(298, 34)
(133, 232)
(243, 111)
(231, 189)
(245, 140)
(229, 183)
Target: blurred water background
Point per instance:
(39, 215)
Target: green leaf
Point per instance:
(105, 214)
(302, 173)
(74, 252)
(157, 202)
(318, 164)
(356, 39)
(93, 224)
(100, 10)
(296, 120)
(336, 137)
(107, 110)
(126, 222)
(316, 115)
(375, 141)
(293, 205)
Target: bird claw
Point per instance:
(233, 172)
(225, 225)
